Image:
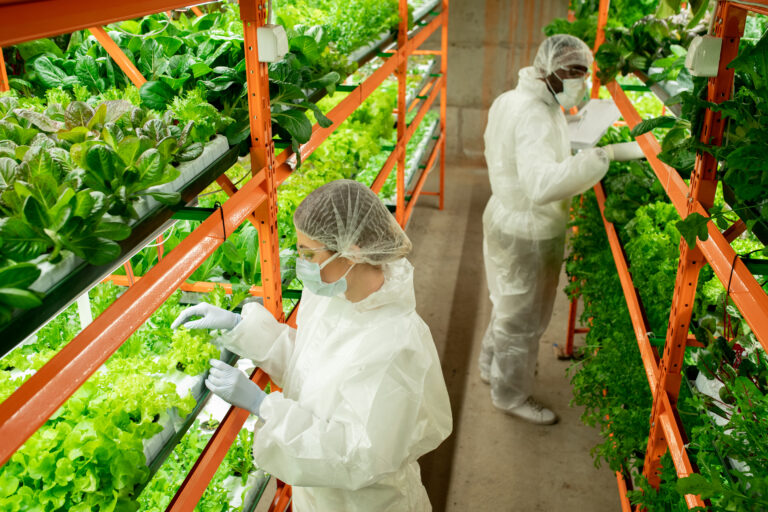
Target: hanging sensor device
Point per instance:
(272, 40)
(703, 57)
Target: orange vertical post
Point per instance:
(4, 84)
(254, 15)
(401, 73)
(602, 19)
(117, 54)
(729, 25)
(443, 97)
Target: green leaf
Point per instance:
(151, 166)
(39, 120)
(199, 69)
(323, 121)
(102, 161)
(697, 484)
(113, 230)
(170, 45)
(99, 118)
(78, 114)
(21, 275)
(156, 95)
(22, 299)
(75, 135)
(190, 152)
(49, 74)
(9, 484)
(151, 58)
(8, 171)
(32, 49)
(168, 198)
(87, 71)
(175, 83)
(692, 227)
(328, 81)
(231, 252)
(647, 125)
(294, 122)
(307, 46)
(129, 150)
(95, 250)
(35, 213)
(117, 109)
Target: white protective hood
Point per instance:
(530, 166)
(363, 398)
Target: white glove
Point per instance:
(234, 387)
(213, 318)
(624, 151)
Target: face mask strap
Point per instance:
(326, 262)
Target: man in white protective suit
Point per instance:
(533, 176)
(363, 395)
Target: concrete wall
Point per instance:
(489, 42)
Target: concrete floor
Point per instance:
(493, 461)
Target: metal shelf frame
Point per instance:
(28, 408)
(664, 370)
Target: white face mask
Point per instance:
(309, 274)
(573, 92)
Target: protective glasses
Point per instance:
(309, 253)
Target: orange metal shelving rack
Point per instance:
(664, 371)
(36, 400)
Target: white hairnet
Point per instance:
(561, 51)
(347, 217)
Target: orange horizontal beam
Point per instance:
(197, 286)
(25, 21)
(647, 352)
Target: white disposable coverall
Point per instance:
(363, 398)
(533, 176)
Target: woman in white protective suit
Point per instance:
(533, 176)
(363, 392)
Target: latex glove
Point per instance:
(213, 318)
(574, 118)
(234, 387)
(624, 151)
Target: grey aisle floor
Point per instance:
(493, 462)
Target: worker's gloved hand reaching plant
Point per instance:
(212, 318)
(234, 387)
(624, 151)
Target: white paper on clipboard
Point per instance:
(595, 119)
